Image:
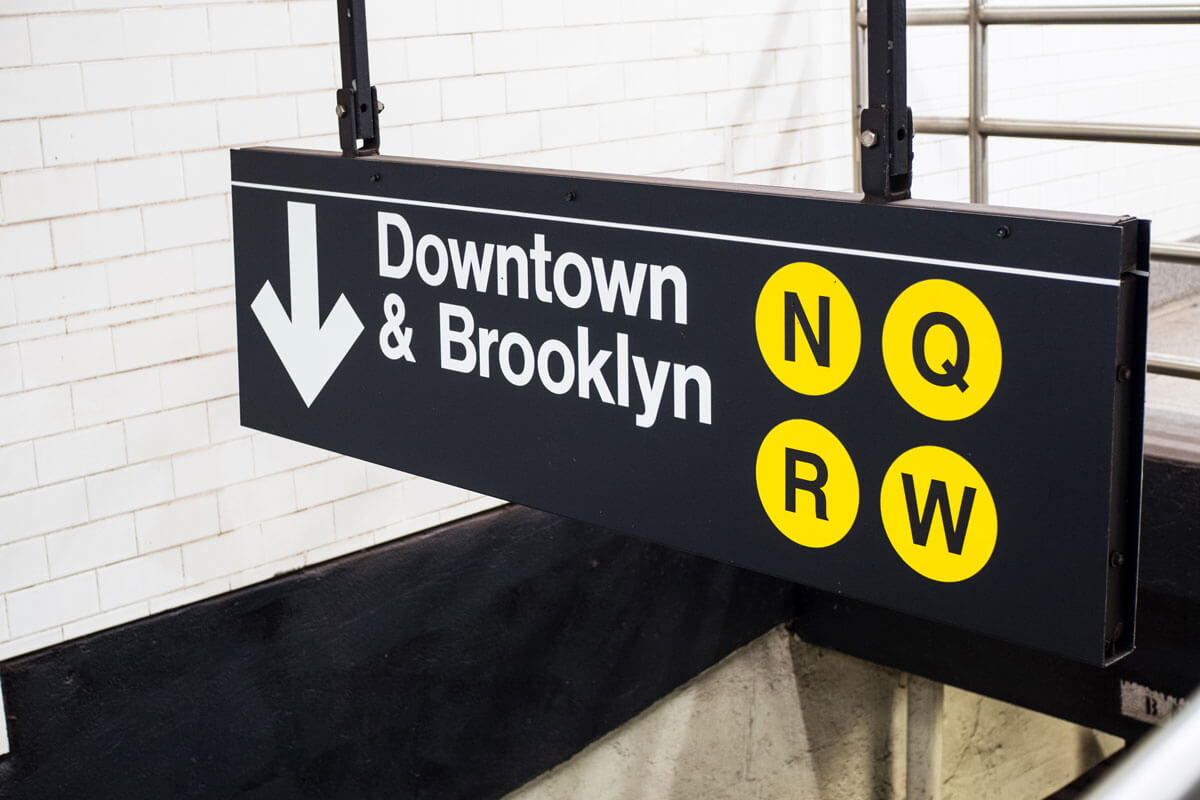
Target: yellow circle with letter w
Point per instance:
(938, 513)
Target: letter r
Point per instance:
(794, 483)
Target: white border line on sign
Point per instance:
(725, 237)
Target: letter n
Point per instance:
(818, 342)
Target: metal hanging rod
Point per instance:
(1175, 366)
(1176, 251)
(1076, 131)
(1053, 15)
(885, 124)
(1094, 15)
(358, 104)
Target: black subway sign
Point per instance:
(932, 408)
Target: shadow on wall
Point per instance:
(784, 719)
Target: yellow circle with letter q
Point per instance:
(941, 349)
(807, 483)
(938, 513)
(808, 329)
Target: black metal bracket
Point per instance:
(358, 106)
(885, 125)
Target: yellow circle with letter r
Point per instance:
(938, 513)
(941, 349)
(807, 483)
(807, 328)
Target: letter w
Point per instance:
(938, 498)
(468, 262)
(610, 285)
(818, 342)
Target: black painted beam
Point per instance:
(459, 663)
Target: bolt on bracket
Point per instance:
(885, 125)
(358, 106)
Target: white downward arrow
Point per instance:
(310, 351)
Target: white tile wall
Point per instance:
(40, 91)
(188, 222)
(79, 453)
(61, 359)
(109, 234)
(39, 194)
(18, 467)
(61, 291)
(115, 397)
(127, 485)
(131, 83)
(25, 247)
(87, 138)
(140, 578)
(58, 38)
(28, 415)
(166, 273)
(197, 379)
(159, 32)
(93, 545)
(52, 604)
(136, 181)
(14, 42)
(248, 502)
(174, 128)
(129, 488)
(23, 564)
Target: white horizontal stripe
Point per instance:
(725, 237)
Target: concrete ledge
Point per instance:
(783, 718)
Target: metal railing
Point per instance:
(1163, 765)
(977, 126)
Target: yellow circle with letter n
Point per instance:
(941, 349)
(808, 329)
(938, 513)
(807, 483)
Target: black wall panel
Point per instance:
(458, 663)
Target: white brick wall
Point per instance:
(127, 485)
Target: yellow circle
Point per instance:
(807, 483)
(807, 328)
(941, 349)
(938, 513)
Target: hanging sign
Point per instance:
(933, 408)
